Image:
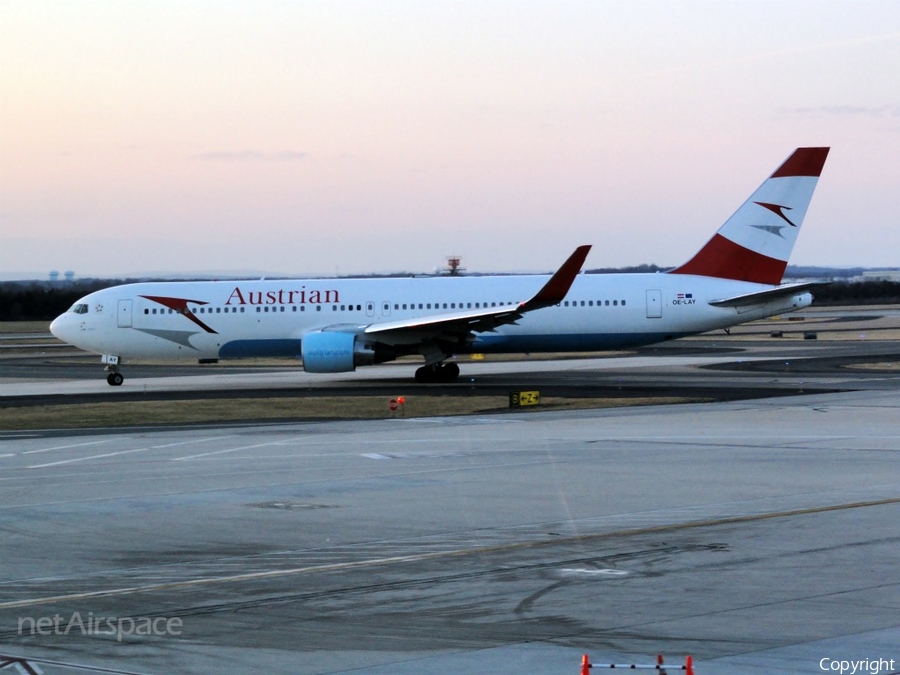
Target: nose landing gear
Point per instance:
(115, 378)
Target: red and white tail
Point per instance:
(756, 242)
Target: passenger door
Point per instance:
(124, 313)
(654, 304)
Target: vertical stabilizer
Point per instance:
(756, 242)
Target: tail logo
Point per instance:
(778, 210)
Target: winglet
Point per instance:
(558, 285)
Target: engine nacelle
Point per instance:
(338, 352)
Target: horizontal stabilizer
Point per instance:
(768, 295)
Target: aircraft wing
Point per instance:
(457, 325)
(768, 295)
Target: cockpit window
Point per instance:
(80, 308)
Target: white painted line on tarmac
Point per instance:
(66, 447)
(593, 572)
(197, 440)
(85, 459)
(227, 450)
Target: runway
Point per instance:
(759, 535)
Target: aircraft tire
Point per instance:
(115, 379)
(439, 372)
(449, 372)
(425, 374)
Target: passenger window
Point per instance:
(615, 303)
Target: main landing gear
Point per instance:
(438, 372)
(115, 378)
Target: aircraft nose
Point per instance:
(57, 327)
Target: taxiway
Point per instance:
(759, 535)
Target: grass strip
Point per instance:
(136, 413)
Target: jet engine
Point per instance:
(340, 352)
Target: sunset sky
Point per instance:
(317, 138)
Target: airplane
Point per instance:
(337, 325)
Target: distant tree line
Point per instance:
(44, 300)
(858, 293)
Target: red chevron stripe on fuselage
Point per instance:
(180, 305)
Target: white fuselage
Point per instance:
(271, 317)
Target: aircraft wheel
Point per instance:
(439, 372)
(449, 372)
(115, 379)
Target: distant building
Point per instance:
(54, 275)
(881, 275)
